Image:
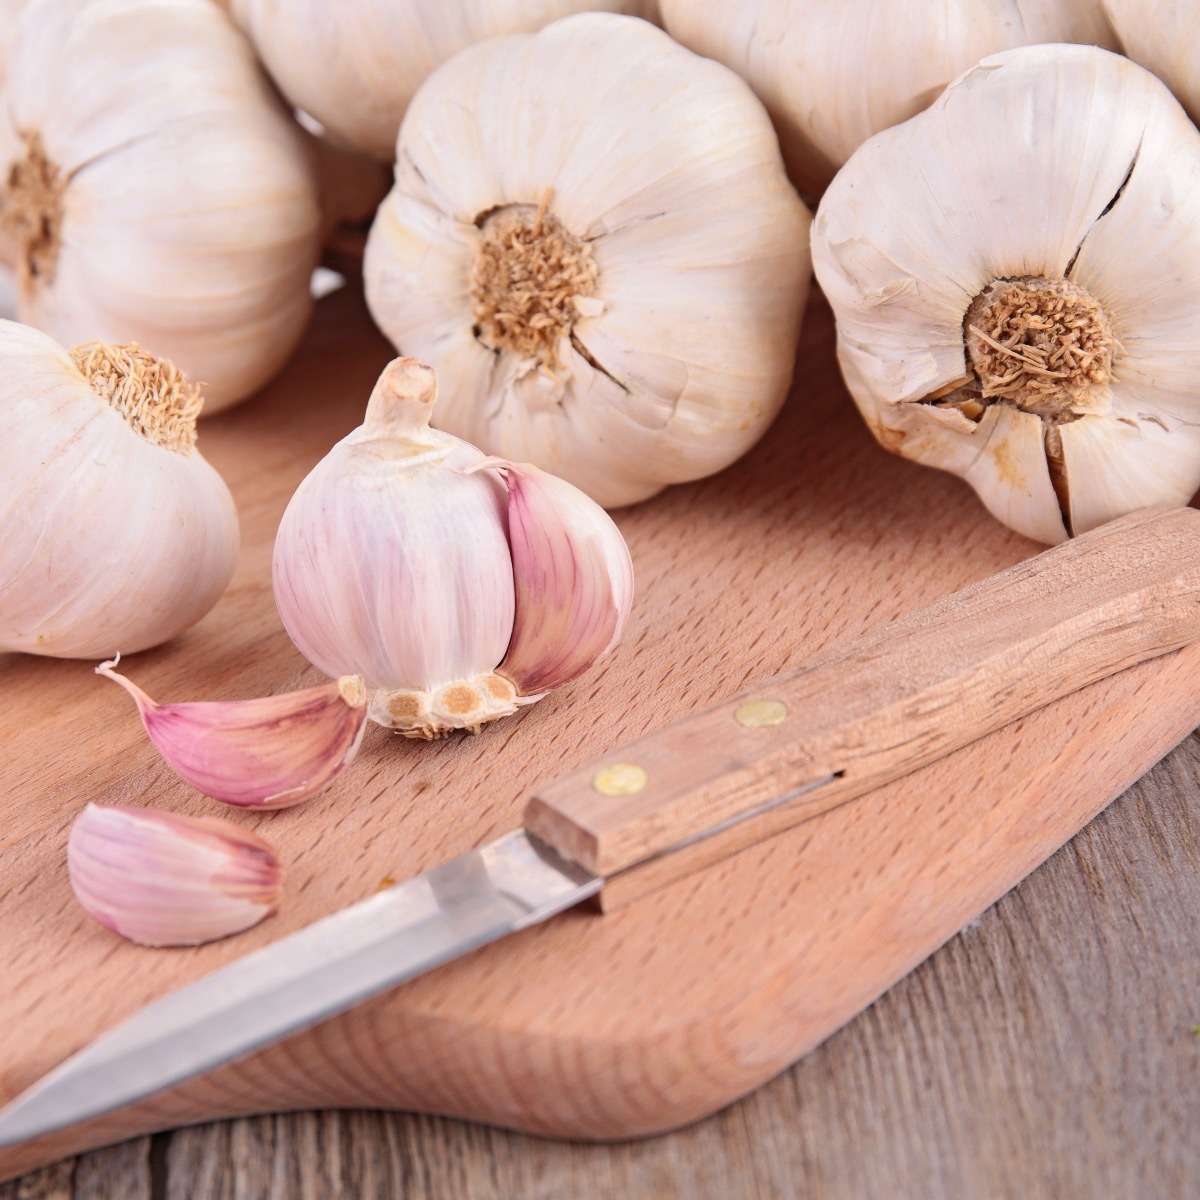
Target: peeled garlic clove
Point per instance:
(574, 579)
(604, 291)
(167, 880)
(1018, 264)
(834, 72)
(272, 752)
(117, 534)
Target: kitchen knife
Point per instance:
(852, 718)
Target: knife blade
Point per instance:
(857, 715)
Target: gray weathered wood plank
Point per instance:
(1047, 1051)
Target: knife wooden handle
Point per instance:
(867, 711)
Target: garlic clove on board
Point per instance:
(573, 576)
(405, 557)
(161, 879)
(1038, 282)
(273, 752)
(117, 534)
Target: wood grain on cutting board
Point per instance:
(594, 1027)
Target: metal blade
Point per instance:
(324, 969)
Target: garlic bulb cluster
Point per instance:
(156, 189)
(166, 880)
(1014, 277)
(1164, 36)
(592, 240)
(273, 752)
(355, 65)
(460, 587)
(834, 72)
(117, 534)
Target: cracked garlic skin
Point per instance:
(1014, 277)
(161, 879)
(117, 534)
(385, 49)
(834, 72)
(592, 240)
(459, 587)
(156, 189)
(1164, 37)
(266, 753)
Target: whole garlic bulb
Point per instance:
(1163, 36)
(833, 72)
(459, 587)
(157, 189)
(117, 534)
(1014, 275)
(355, 65)
(591, 238)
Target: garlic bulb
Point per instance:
(1164, 36)
(355, 65)
(157, 190)
(592, 240)
(833, 72)
(273, 752)
(117, 534)
(166, 880)
(406, 557)
(1014, 276)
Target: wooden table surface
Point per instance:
(1047, 1051)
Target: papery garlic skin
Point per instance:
(393, 561)
(117, 535)
(267, 753)
(355, 65)
(158, 190)
(161, 879)
(643, 187)
(1164, 37)
(834, 72)
(1066, 175)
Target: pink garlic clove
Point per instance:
(271, 752)
(166, 880)
(573, 576)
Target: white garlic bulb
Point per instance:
(459, 587)
(156, 188)
(117, 534)
(1163, 36)
(1014, 276)
(355, 65)
(833, 72)
(591, 238)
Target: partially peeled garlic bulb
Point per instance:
(1015, 278)
(460, 587)
(117, 535)
(161, 879)
(272, 752)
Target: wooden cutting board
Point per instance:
(590, 1027)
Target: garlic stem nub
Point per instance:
(273, 752)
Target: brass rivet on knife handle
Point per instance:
(864, 712)
(620, 779)
(760, 714)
